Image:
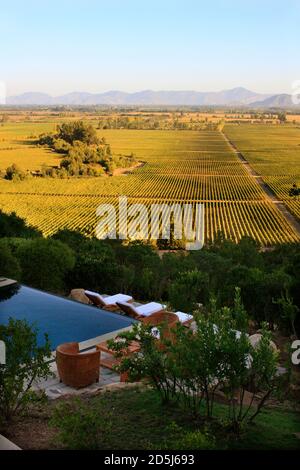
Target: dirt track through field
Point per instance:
(270, 196)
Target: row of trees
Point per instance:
(269, 281)
(161, 122)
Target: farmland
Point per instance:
(274, 153)
(177, 166)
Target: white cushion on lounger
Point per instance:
(111, 299)
(148, 309)
(183, 317)
(90, 292)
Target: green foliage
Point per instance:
(45, 263)
(95, 267)
(77, 131)
(14, 173)
(13, 226)
(60, 146)
(79, 425)
(188, 367)
(289, 311)
(188, 289)
(84, 153)
(137, 420)
(70, 237)
(239, 313)
(233, 274)
(159, 121)
(25, 363)
(281, 117)
(194, 440)
(9, 265)
(179, 438)
(294, 191)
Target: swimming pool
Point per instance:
(63, 319)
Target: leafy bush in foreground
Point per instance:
(79, 425)
(25, 363)
(191, 366)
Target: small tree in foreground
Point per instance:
(25, 363)
(191, 366)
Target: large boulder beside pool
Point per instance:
(255, 339)
(79, 296)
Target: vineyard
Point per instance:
(274, 153)
(177, 166)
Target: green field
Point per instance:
(178, 166)
(274, 153)
(16, 145)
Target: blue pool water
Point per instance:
(63, 319)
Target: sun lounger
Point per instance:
(184, 318)
(144, 310)
(109, 301)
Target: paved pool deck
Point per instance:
(52, 386)
(54, 389)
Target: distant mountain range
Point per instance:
(234, 97)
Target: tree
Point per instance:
(15, 173)
(188, 367)
(78, 130)
(189, 289)
(25, 363)
(9, 265)
(294, 191)
(13, 226)
(70, 237)
(95, 267)
(281, 117)
(45, 263)
(289, 311)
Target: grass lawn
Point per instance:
(134, 418)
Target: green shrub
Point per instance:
(195, 440)
(9, 265)
(77, 130)
(188, 289)
(45, 263)
(15, 173)
(189, 367)
(13, 226)
(188, 440)
(79, 425)
(25, 363)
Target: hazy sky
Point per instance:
(74, 45)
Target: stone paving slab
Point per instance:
(53, 388)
